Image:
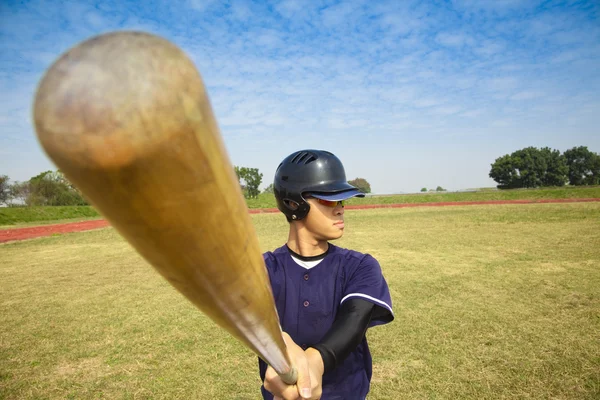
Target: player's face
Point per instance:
(325, 220)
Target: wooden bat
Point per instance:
(126, 118)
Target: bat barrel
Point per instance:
(126, 118)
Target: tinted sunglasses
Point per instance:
(330, 203)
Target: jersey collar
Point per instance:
(311, 258)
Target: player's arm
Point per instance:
(346, 333)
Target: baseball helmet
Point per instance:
(317, 173)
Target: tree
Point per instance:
(51, 189)
(583, 166)
(556, 168)
(504, 172)
(239, 176)
(20, 191)
(250, 179)
(594, 179)
(268, 189)
(423, 189)
(361, 184)
(531, 167)
(4, 189)
(440, 189)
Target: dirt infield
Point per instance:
(9, 235)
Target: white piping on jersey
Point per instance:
(383, 303)
(306, 264)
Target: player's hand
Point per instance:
(303, 388)
(316, 369)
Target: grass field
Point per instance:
(268, 201)
(27, 216)
(491, 302)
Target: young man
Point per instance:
(326, 296)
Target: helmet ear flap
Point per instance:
(297, 211)
(291, 204)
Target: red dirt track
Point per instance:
(9, 235)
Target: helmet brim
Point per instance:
(345, 195)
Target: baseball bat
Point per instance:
(126, 117)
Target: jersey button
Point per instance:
(304, 347)
(306, 277)
(306, 303)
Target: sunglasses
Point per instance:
(330, 203)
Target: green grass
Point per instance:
(36, 215)
(491, 302)
(268, 201)
(23, 216)
(485, 195)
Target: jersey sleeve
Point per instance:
(366, 281)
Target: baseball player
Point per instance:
(326, 296)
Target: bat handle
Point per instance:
(290, 377)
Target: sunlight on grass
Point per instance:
(490, 302)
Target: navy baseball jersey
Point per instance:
(307, 301)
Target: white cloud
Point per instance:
(543, 27)
(526, 95)
(489, 47)
(339, 14)
(45, 58)
(509, 67)
(565, 57)
(501, 123)
(472, 113)
(427, 102)
(338, 123)
(495, 5)
(307, 73)
(293, 8)
(502, 84)
(401, 23)
(447, 110)
(454, 39)
(202, 5)
(97, 21)
(575, 37)
(269, 38)
(240, 10)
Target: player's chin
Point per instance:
(336, 234)
(330, 235)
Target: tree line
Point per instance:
(438, 189)
(532, 167)
(51, 188)
(529, 167)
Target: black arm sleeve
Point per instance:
(346, 333)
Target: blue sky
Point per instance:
(408, 94)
